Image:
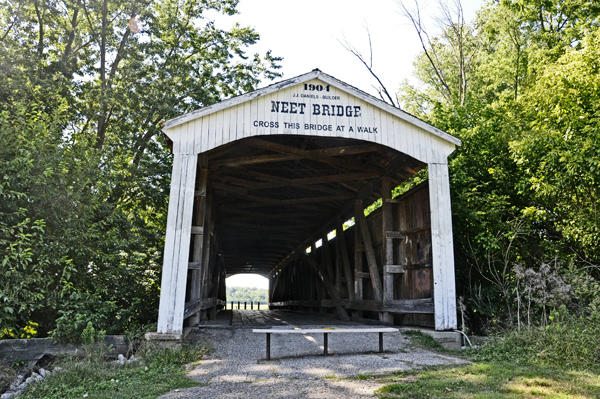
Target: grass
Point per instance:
(491, 381)
(158, 371)
(560, 361)
(420, 340)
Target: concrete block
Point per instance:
(164, 340)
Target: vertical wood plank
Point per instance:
(167, 300)
(208, 223)
(186, 235)
(197, 254)
(358, 257)
(388, 243)
(175, 263)
(338, 266)
(442, 248)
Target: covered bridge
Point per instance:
(264, 182)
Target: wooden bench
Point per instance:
(325, 332)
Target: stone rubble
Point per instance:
(20, 383)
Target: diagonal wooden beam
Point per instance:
(331, 288)
(369, 251)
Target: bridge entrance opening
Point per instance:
(257, 188)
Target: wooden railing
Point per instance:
(397, 306)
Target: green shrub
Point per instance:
(568, 341)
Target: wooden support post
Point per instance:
(369, 251)
(338, 265)
(442, 250)
(358, 261)
(326, 258)
(341, 241)
(177, 244)
(206, 246)
(325, 342)
(197, 253)
(388, 246)
(206, 252)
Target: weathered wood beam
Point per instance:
(387, 225)
(335, 178)
(343, 248)
(331, 288)
(194, 266)
(369, 251)
(252, 160)
(326, 254)
(345, 164)
(393, 235)
(400, 306)
(196, 306)
(208, 228)
(358, 261)
(297, 213)
(222, 150)
(349, 150)
(394, 269)
(262, 201)
(253, 224)
(198, 236)
(388, 236)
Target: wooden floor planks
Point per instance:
(262, 318)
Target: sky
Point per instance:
(247, 280)
(307, 35)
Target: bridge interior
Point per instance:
(277, 206)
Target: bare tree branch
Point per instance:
(381, 89)
(415, 18)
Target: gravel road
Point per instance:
(237, 367)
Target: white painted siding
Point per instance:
(246, 120)
(177, 245)
(442, 249)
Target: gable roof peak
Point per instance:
(314, 74)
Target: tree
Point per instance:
(101, 75)
(530, 148)
(560, 153)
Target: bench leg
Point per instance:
(268, 346)
(325, 339)
(380, 342)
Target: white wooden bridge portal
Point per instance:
(260, 178)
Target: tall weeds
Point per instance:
(567, 341)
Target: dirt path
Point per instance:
(236, 367)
